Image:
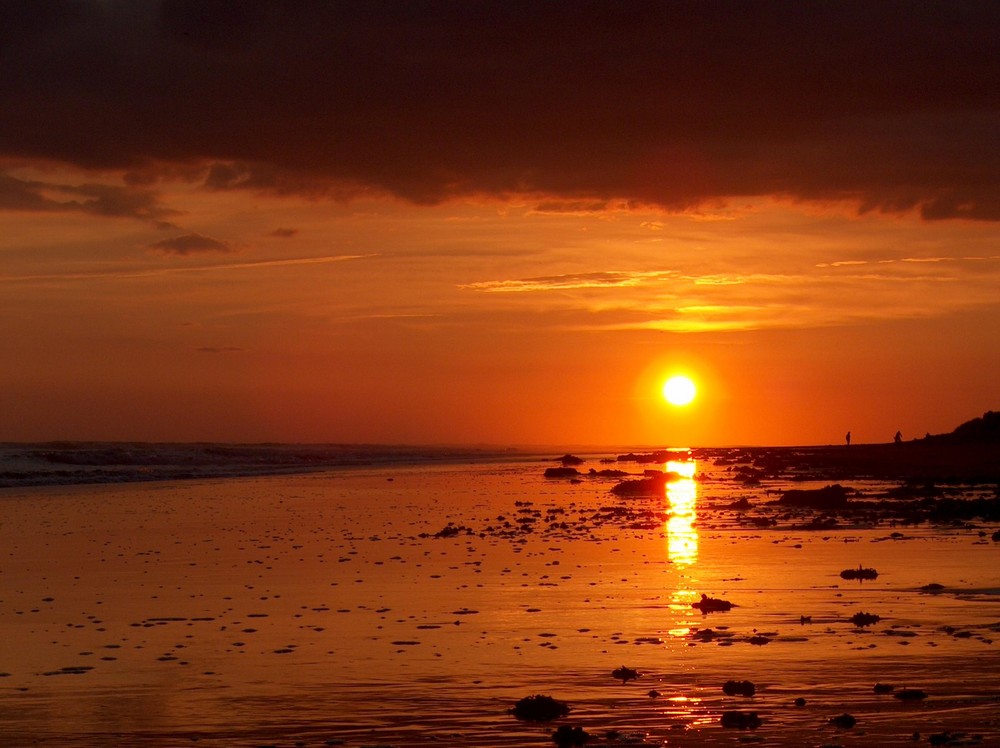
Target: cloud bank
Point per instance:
(891, 105)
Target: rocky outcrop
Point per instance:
(829, 498)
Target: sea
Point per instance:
(343, 595)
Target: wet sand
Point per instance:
(416, 605)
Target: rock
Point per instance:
(561, 472)
(567, 460)
(450, 531)
(739, 688)
(567, 736)
(910, 694)
(607, 473)
(654, 485)
(625, 674)
(712, 604)
(829, 497)
(864, 619)
(859, 573)
(883, 688)
(932, 587)
(740, 720)
(648, 457)
(843, 722)
(539, 708)
(953, 738)
(799, 702)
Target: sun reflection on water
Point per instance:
(682, 497)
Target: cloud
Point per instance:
(157, 272)
(605, 279)
(220, 349)
(284, 233)
(189, 244)
(890, 105)
(118, 201)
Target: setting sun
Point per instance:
(679, 390)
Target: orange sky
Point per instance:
(493, 223)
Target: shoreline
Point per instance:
(87, 463)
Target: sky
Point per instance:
(498, 222)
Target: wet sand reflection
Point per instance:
(682, 498)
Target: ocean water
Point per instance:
(414, 602)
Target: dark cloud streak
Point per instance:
(94, 198)
(189, 244)
(891, 104)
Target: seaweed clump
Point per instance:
(567, 737)
(712, 604)
(739, 688)
(740, 720)
(539, 708)
(859, 573)
(865, 619)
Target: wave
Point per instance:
(65, 463)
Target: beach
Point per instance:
(414, 602)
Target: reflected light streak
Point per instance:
(682, 496)
(680, 604)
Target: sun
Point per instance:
(679, 390)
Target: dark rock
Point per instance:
(864, 619)
(739, 688)
(607, 473)
(910, 694)
(450, 531)
(799, 702)
(953, 738)
(567, 736)
(625, 674)
(740, 720)
(707, 635)
(712, 604)
(648, 457)
(932, 587)
(830, 497)
(883, 688)
(859, 573)
(539, 708)
(654, 485)
(570, 460)
(561, 472)
(843, 722)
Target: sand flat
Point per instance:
(347, 608)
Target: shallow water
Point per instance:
(322, 609)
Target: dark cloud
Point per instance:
(189, 244)
(284, 233)
(892, 104)
(98, 199)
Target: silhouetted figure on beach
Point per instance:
(848, 438)
(898, 438)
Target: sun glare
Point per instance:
(679, 390)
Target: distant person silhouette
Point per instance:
(898, 438)
(848, 438)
